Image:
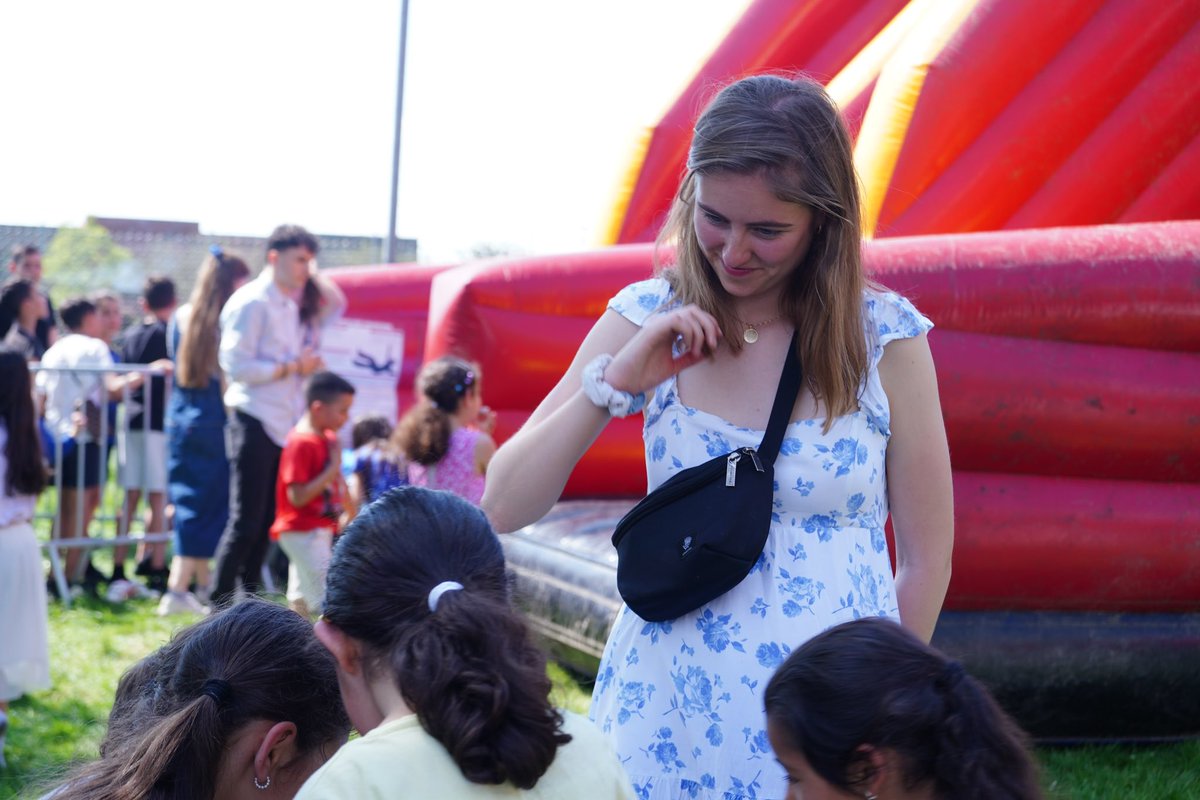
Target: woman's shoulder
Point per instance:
(637, 301)
(888, 315)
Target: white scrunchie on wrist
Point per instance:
(602, 393)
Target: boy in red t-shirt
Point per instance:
(310, 490)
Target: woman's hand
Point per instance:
(667, 344)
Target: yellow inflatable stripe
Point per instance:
(894, 100)
(867, 64)
(611, 229)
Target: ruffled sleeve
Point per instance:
(638, 301)
(887, 316)
(890, 316)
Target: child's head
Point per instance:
(245, 695)
(328, 397)
(368, 429)
(417, 598)
(447, 382)
(867, 708)
(158, 295)
(79, 315)
(449, 387)
(108, 310)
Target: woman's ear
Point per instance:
(276, 750)
(345, 649)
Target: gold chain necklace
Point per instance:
(750, 329)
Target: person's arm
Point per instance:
(485, 448)
(301, 494)
(116, 385)
(528, 473)
(920, 491)
(242, 328)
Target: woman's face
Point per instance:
(752, 239)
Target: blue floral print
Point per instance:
(682, 700)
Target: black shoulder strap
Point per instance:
(785, 401)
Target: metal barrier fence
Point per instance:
(92, 423)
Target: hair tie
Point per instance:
(217, 689)
(436, 593)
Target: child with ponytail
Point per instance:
(867, 710)
(242, 705)
(438, 670)
(447, 435)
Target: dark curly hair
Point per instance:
(871, 682)
(423, 434)
(470, 670)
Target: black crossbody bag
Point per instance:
(700, 533)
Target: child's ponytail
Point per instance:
(462, 658)
(479, 686)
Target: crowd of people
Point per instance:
(812, 677)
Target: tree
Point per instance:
(82, 260)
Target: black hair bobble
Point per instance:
(218, 690)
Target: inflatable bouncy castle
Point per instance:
(1031, 176)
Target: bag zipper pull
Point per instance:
(754, 457)
(731, 468)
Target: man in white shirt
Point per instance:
(265, 363)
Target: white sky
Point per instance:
(520, 117)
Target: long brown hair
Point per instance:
(790, 132)
(24, 471)
(177, 710)
(196, 358)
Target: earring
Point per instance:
(265, 784)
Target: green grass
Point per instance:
(93, 642)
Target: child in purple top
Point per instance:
(446, 436)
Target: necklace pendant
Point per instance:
(750, 336)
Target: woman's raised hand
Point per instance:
(665, 345)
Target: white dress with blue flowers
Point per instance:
(682, 700)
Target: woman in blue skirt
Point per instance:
(197, 468)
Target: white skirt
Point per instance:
(24, 648)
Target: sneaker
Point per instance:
(176, 603)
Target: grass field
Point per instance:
(93, 642)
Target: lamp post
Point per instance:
(389, 248)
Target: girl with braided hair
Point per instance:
(867, 710)
(439, 671)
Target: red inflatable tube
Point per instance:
(1125, 154)
(397, 294)
(1055, 408)
(1127, 285)
(1175, 193)
(965, 87)
(1046, 122)
(1024, 542)
(820, 36)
